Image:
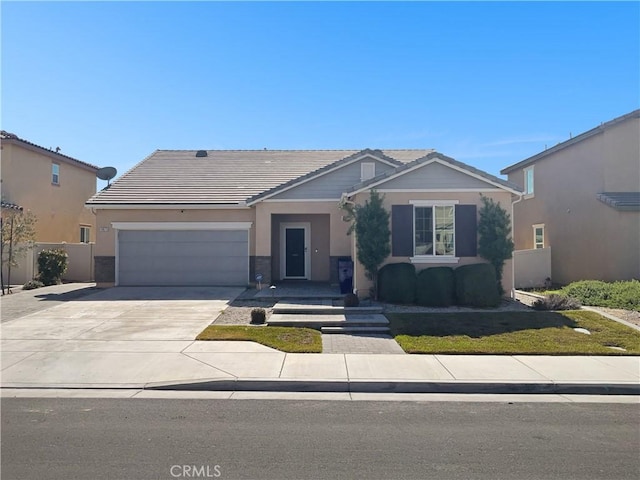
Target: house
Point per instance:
(213, 217)
(51, 185)
(581, 203)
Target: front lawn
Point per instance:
(511, 333)
(286, 339)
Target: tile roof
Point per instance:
(624, 201)
(13, 138)
(223, 176)
(443, 158)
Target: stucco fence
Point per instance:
(532, 267)
(80, 264)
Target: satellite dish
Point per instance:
(106, 173)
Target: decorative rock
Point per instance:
(582, 330)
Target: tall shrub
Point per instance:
(52, 264)
(373, 245)
(494, 231)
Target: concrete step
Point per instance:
(354, 329)
(318, 321)
(321, 308)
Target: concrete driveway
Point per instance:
(119, 335)
(125, 313)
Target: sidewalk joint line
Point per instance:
(208, 365)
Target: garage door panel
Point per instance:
(157, 257)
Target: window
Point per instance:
(538, 236)
(55, 174)
(434, 230)
(367, 171)
(528, 181)
(85, 234)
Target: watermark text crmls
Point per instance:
(195, 471)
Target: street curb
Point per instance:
(390, 386)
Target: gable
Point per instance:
(435, 176)
(333, 184)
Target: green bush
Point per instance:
(397, 283)
(52, 264)
(556, 302)
(32, 285)
(596, 293)
(476, 285)
(435, 287)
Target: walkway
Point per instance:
(371, 343)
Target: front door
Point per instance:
(295, 253)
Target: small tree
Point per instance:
(18, 232)
(494, 230)
(371, 224)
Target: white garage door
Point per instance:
(183, 257)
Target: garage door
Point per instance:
(183, 257)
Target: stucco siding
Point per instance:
(434, 176)
(26, 181)
(588, 239)
(106, 241)
(333, 184)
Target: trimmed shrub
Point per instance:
(476, 285)
(397, 283)
(52, 264)
(32, 285)
(596, 293)
(435, 287)
(556, 302)
(351, 300)
(258, 315)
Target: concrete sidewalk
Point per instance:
(246, 366)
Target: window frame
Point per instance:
(86, 228)
(535, 242)
(434, 257)
(55, 174)
(529, 182)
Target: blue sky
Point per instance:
(486, 83)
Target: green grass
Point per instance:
(285, 339)
(510, 333)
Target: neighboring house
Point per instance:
(223, 217)
(582, 201)
(51, 185)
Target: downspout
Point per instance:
(513, 237)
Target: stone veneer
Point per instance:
(105, 269)
(261, 265)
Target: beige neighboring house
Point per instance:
(214, 217)
(51, 185)
(581, 204)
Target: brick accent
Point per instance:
(105, 269)
(260, 265)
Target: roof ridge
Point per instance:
(4, 135)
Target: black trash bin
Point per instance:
(345, 275)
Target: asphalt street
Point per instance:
(273, 439)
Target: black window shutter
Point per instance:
(466, 231)
(402, 230)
